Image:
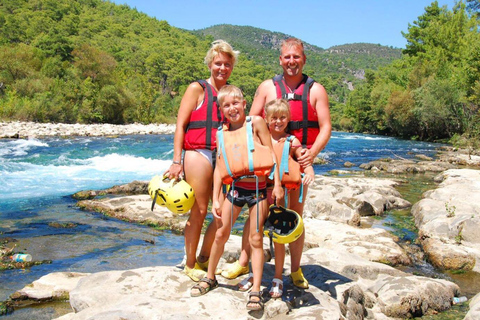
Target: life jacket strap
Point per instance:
(209, 123)
(250, 145)
(295, 125)
(300, 196)
(202, 124)
(221, 145)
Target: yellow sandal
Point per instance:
(194, 273)
(204, 266)
(298, 279)
(235, 271)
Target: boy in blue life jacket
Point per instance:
(244, 159)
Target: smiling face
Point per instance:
(278, 122)
(292, 59)
(233, 109)
(221, 67)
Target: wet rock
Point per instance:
(406, 166)
(53, 286)
(349, 164)
(137, 209)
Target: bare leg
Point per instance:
(245, 254)
(221, 237)
(296, 247)
(256, 242)
(208, 239)
(279, 260)
(199, 174)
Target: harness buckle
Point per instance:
(290, 96)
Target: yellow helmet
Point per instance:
(177, 196)
(283, 225)
(156, 184)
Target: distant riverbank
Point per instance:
(22, 130)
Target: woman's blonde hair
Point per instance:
(229, 90)
(221, 46)
(277, 107)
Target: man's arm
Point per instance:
(262, 96)
(319, 100)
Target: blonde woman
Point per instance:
(197, 122)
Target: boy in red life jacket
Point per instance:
(277, 115)
(232, 105)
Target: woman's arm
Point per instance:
(189, 102)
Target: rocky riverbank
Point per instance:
(23, 130)
(352, 270)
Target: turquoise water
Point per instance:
(38, 177)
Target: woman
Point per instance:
(197, 123)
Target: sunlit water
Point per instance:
(38, 177)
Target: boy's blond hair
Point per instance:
(229, 90)
(277, 107)
(220, 46)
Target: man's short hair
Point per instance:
(292, 42)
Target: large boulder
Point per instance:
(348, 199)
(474, 312)
(372, 244)
(448, 219)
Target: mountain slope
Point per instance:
(348, 60)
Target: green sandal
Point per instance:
(257, 304)
(212, 284)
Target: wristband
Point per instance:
(177, 162)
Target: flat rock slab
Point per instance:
(448, 219)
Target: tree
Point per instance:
(94, 63)
(416, 32)
(474, 7)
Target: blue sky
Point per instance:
(323, 23)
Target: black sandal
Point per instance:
(258, 303)
(212, 284)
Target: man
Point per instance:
(310, 123)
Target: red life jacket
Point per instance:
(204, 121)
(290, 171)
(304, 119)
(241, 155)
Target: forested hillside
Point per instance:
(94, 61)
(263, 46)
(337, 68)
(433, 91)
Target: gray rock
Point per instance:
(474, 312)
(342, 286)
(448, 220)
